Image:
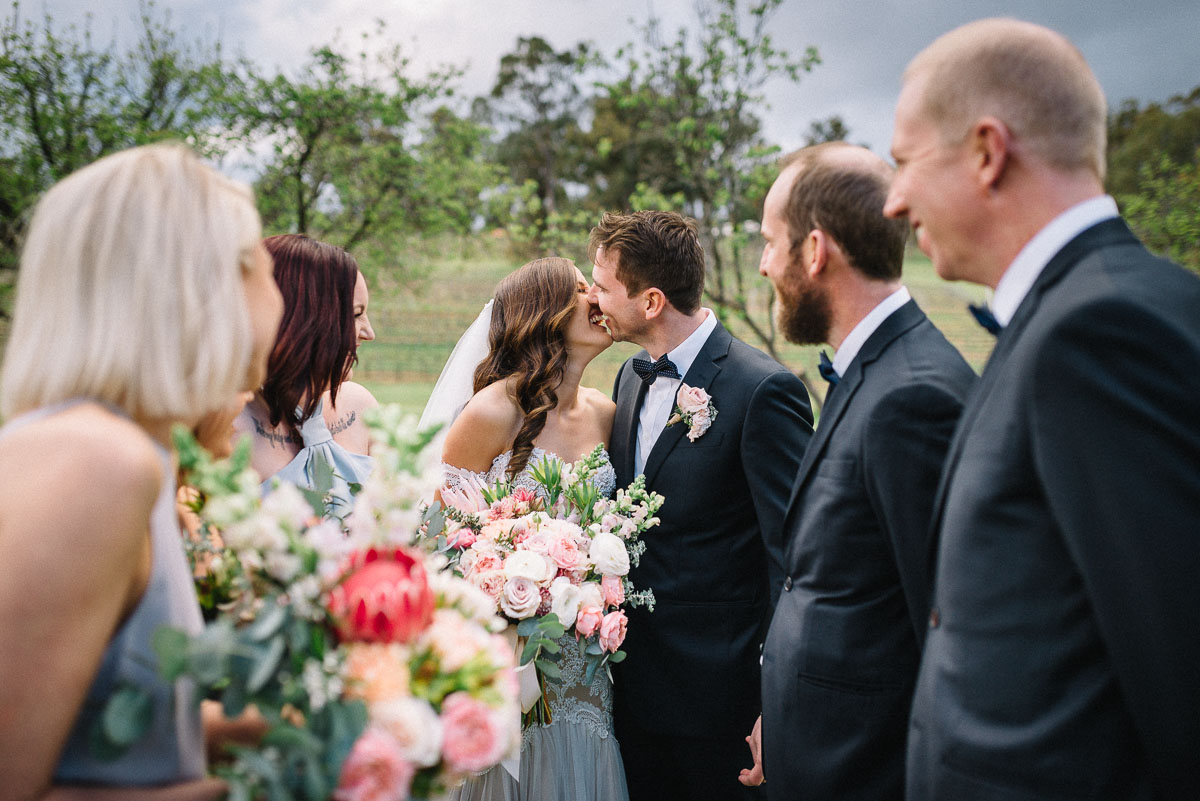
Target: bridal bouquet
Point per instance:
(379, 674)
(554, 560)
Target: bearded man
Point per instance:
(841, 656)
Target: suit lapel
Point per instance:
(1103, 234)
(703, 371)
(891, 329)
(625, 426)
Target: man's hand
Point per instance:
(752, 777)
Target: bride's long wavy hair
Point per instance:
(528, 341)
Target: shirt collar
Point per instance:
(1017, 280)
(683, 354)
(859, 335)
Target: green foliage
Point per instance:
(1164, 208)
(342, 164)
(66, 100)
(1140, 136)
(682, 124)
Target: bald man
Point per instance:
(1063, 654)
(841, 656)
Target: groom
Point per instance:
(689, 690)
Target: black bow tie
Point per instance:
(825, 367)
(983, 315)
(649, 371)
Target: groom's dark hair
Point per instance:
(654, 249)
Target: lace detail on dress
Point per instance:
(571, 701)
(605, 478)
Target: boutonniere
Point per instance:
(693, 407)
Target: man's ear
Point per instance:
(653, 302)
(991, 146)
(815, 253)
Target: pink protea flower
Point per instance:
(473, 737)
(384, 596)
(376, 770)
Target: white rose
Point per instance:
(565, 600)
(416, 727)
(527, 564)
(609, 555)
(590, 594)
(520, 598)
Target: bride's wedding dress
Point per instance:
(574, 757)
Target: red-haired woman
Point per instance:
(307, 412)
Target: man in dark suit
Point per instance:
(845, 640)
(688, 691)
(1063, 654)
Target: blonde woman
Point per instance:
(144, 300)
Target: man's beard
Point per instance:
(803, 313)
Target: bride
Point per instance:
(527, 402)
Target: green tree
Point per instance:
(832, 129)
(691, 108)
(342, 163)
(1164, 208)
(66, 101)
(538, 105)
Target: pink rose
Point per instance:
(472, 737)
(463, 537)
(384, 597)
(376, 770)
(613, 589)
(565, 553)
(588, 620)
(692, 400)
(612, 630)
(486, 560)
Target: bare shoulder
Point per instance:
(354, 397)
(599, 405)
(86, 453)
(485, 429)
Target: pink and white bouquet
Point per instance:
(554, 559)
(381, 674)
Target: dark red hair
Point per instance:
(316, 346)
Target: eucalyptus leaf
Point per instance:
(265, 664)
(233, 699)
(548, 668)
(128, 714)
(618, 656)
(590, 674)
(594, 649)
(527, 626)
(269, 621)
(530, 650)
(171, 646)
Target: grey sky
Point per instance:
(1147, 50)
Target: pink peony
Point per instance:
(384, 596)
(490, 581)
(376, 770)
(612, 630)
(614, 590)
(472, 737)
(588, 620)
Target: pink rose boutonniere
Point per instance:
(694, 408)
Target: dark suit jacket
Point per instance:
(693, 664)
(1065, 660)
(841, 657)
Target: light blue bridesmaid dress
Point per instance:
(319, 447)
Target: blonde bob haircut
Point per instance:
(1028, 76)
(130, 289)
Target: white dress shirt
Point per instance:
(660, 396)
(860, 333)
(1017, 280)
